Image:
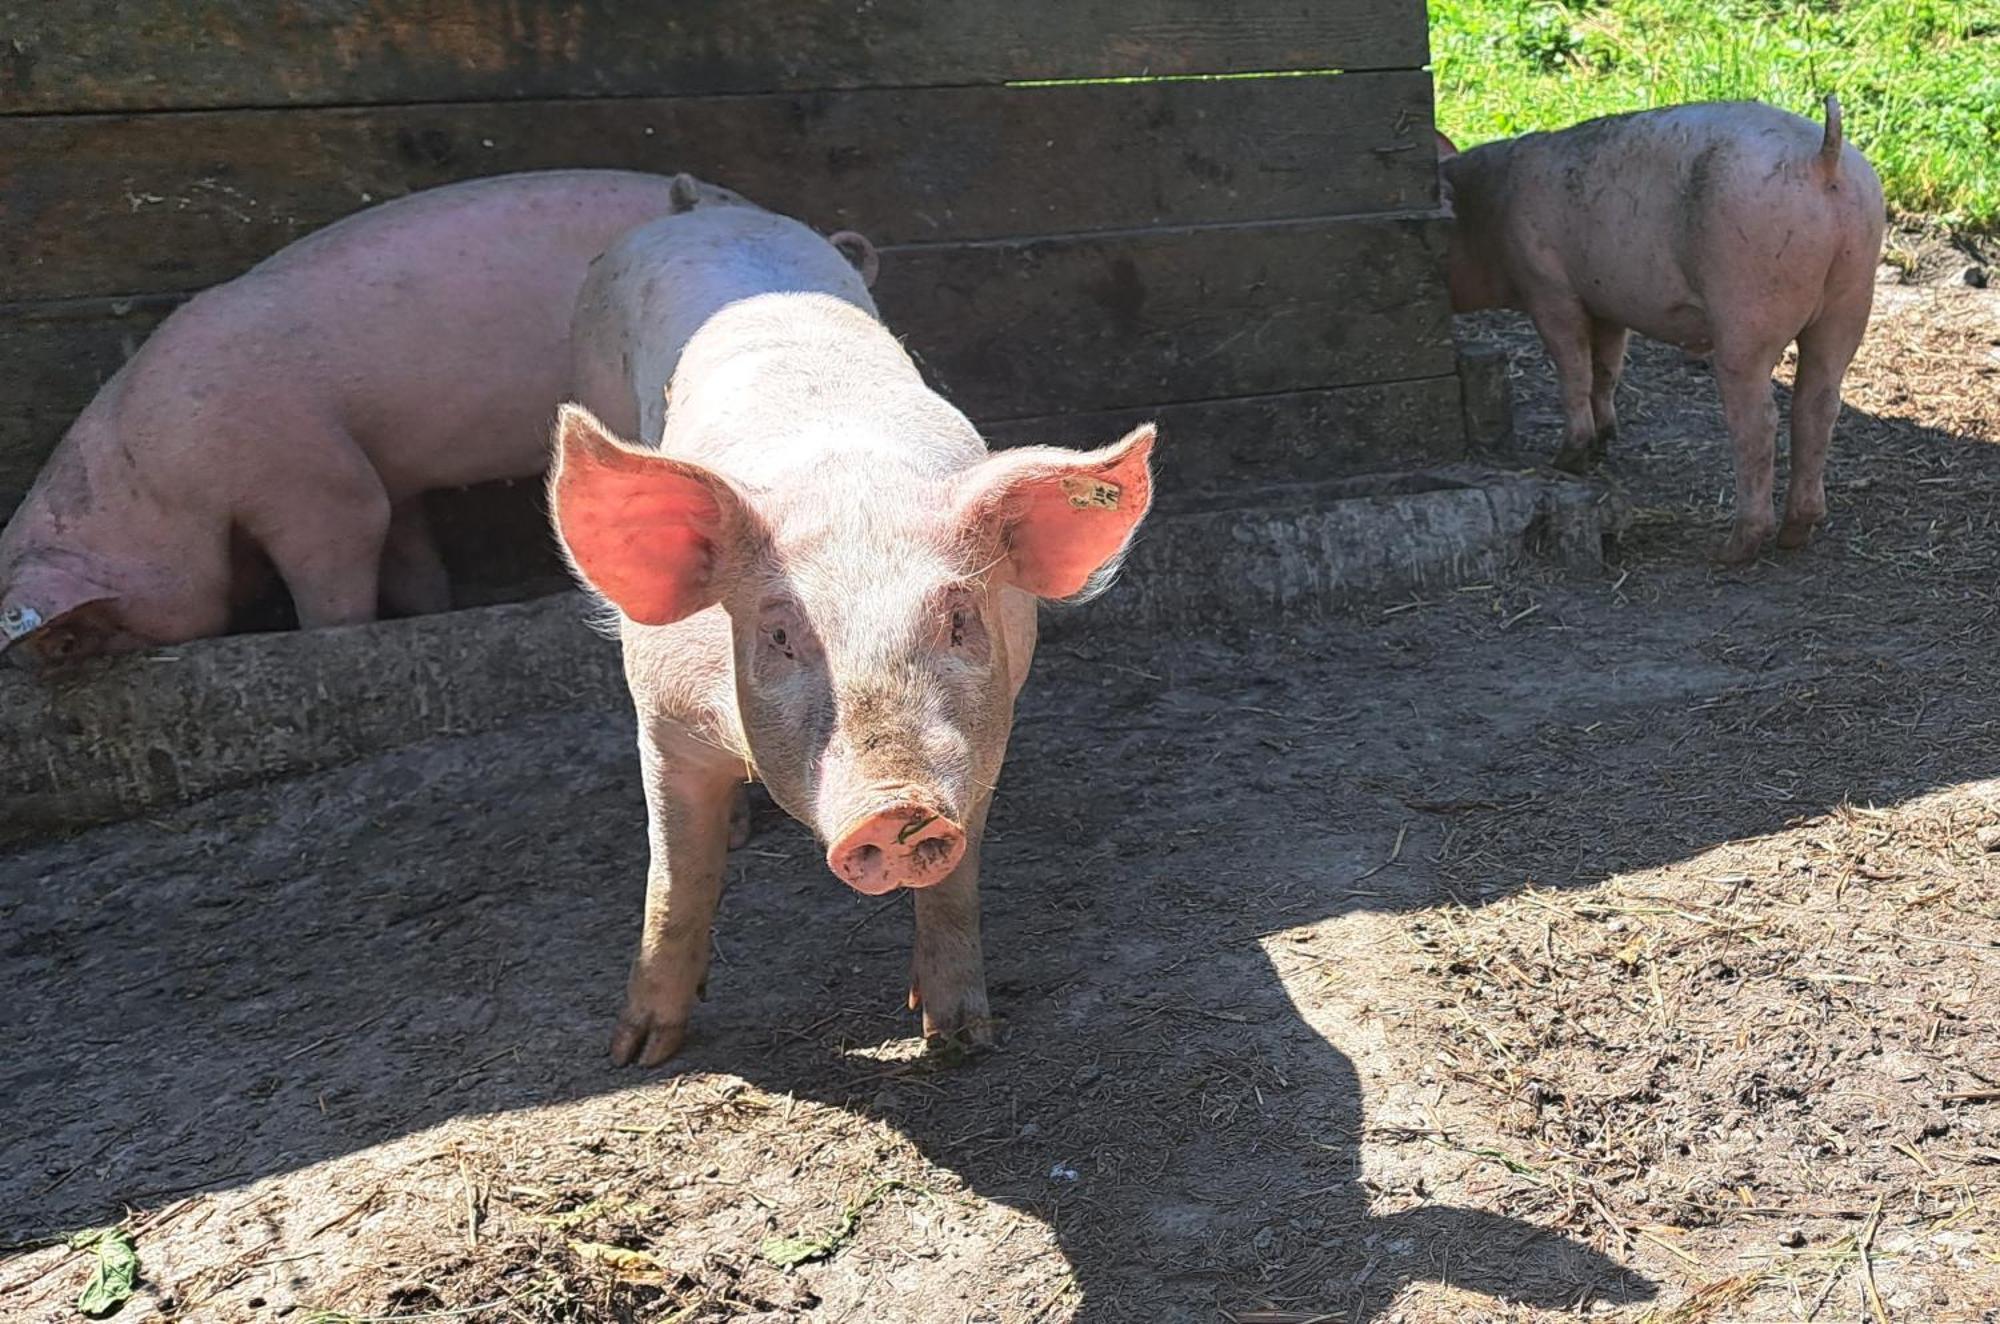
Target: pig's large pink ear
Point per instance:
(1060, 517)
(52, 615)
(652, 534)
(1445, 146)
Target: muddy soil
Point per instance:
(1623, 949)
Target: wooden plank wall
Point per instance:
(1247, 256)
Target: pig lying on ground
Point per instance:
(1733, 229)
(822, 579)
(294, 416)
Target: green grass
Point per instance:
(1918, 80)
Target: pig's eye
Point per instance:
(783, 637)
(960, 631)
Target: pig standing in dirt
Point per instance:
(822, 580)
(1730, 229)
(294, 416)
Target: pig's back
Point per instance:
(789, 380)
(768, 337)
(434, 328)
(661, 282)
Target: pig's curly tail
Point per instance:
(1829, 148)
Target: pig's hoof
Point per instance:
(1792, 536)
(970, 1036)
(1573, 459)
(739, 818)
(1738, 549)
(951, 1029)
(643, 1040)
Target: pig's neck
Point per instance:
(1477, 260)
(783, 388)
(94, 499)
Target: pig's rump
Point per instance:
(1695, 222)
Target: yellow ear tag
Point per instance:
(1091, 493)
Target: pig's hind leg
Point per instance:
(1825, 349)
(689, 799)
(1744, 378)
(1565, 329)
(414, 582)
(1607, 363)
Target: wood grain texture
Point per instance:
(1020, 328)
(95, 55)
(1014, 329)
(1228, 452)
(96, 205)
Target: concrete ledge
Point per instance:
(138, 733)
(1350, 542)
(135, 733)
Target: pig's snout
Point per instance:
(905, 845)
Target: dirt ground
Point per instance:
(1621, 949)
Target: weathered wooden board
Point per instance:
(1019, 328)
(119, 204)
(79, 55)
(1016, 329)
(1219, 452)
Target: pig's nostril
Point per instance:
(931, 852)
(866, 857)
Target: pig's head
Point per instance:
(1467, 191)
(59, 608)
(91, 563)
(877, 622)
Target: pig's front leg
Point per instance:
(1565, 329)
(323, 524)
(688, 799)
(948, 970)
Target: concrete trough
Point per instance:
(137, 734)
